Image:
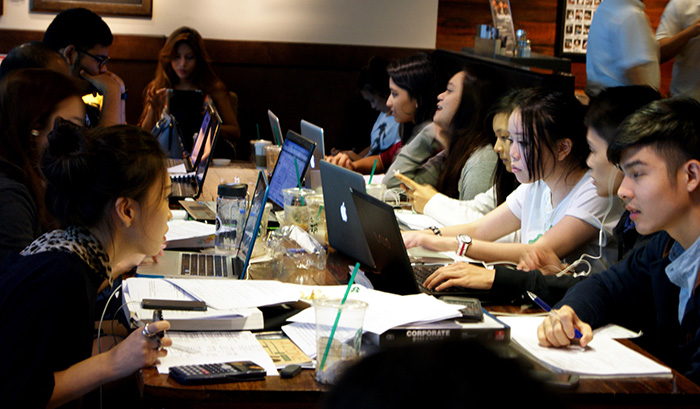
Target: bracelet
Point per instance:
(436, 230)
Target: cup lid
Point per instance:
(233, 190)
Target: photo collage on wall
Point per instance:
(578, 15)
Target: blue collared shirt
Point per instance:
(683, 272)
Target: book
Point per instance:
(490, 329)
(210, 320)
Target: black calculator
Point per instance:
(471, 311)
(217, 373)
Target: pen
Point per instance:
(549, 309)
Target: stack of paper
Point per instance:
(189, 234)
(603, 357)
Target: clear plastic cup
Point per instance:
(344, 332)
(296, 209)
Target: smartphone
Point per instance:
(182, 305)
(217, 373)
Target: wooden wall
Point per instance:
(457, 21)
(296, 81)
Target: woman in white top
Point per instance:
(555, 207)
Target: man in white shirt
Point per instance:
(622, 49)
(679, 37)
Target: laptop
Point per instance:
(178, 264)
(345, 233)
(395, 272)
(284, 175)
(314, 133)
(187, 108)
(275, 126)
(189, 185)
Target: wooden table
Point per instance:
(304, 392)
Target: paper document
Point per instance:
(603, 357)
(303, 335)
(415, 221)
(192, 348)
(225, 294)
(179, 170)
(189, 233)
(385, 310)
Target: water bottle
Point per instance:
(231, 208)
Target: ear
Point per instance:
(125, 211)
(70, 53)
(564, 148)
(692, 174)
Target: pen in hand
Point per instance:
(544, 306)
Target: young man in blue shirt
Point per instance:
(653, 289)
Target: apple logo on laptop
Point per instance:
(343, 212)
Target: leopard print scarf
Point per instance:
(75, 240)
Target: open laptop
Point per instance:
(275, 126)
(187, 108)
(189, 185)
(284, 175)
(313, 133)
(395, 272)
(345, 233)
(178, 264)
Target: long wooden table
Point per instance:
(304, 392)
(159, 391)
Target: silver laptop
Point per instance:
(178, 264)
(276, 129)
(313, 133)
(345, 232)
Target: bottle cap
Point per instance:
(233, 190)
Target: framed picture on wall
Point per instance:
(573, 23)
(130, 8)
(503, 21)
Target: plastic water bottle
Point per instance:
(231, 206)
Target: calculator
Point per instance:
(471, 311)
(217, 373)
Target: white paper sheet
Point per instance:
(191, 348)
(603, 357)
(227, 294)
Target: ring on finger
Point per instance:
(146, 332)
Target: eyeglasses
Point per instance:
(101, 59)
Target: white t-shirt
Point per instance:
(679, 15)
(532, 204)
(620, 38)
(385, 133)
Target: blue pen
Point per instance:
(549, 309)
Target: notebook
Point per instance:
(345, 233)
(177, 264)
(395, 272)
(190, 184)
(313, 133)
(284, 175)
(275, 126)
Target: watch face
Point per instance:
(463, 238)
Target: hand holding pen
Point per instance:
(561, 327)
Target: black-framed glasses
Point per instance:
(101, 59)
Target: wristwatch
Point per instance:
(436, 230)
(464, 242)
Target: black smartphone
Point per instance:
(182, 305)
(217, 373)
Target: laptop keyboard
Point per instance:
(422, 271)
(204, 265)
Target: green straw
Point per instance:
(257, 129)
(296, 167)
(320, 209)
(337, 318)
(372, 173)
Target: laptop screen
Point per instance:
(252, 223)
(285, 174)
(206, 139)
(275, 126)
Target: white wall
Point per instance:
(392, 23)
